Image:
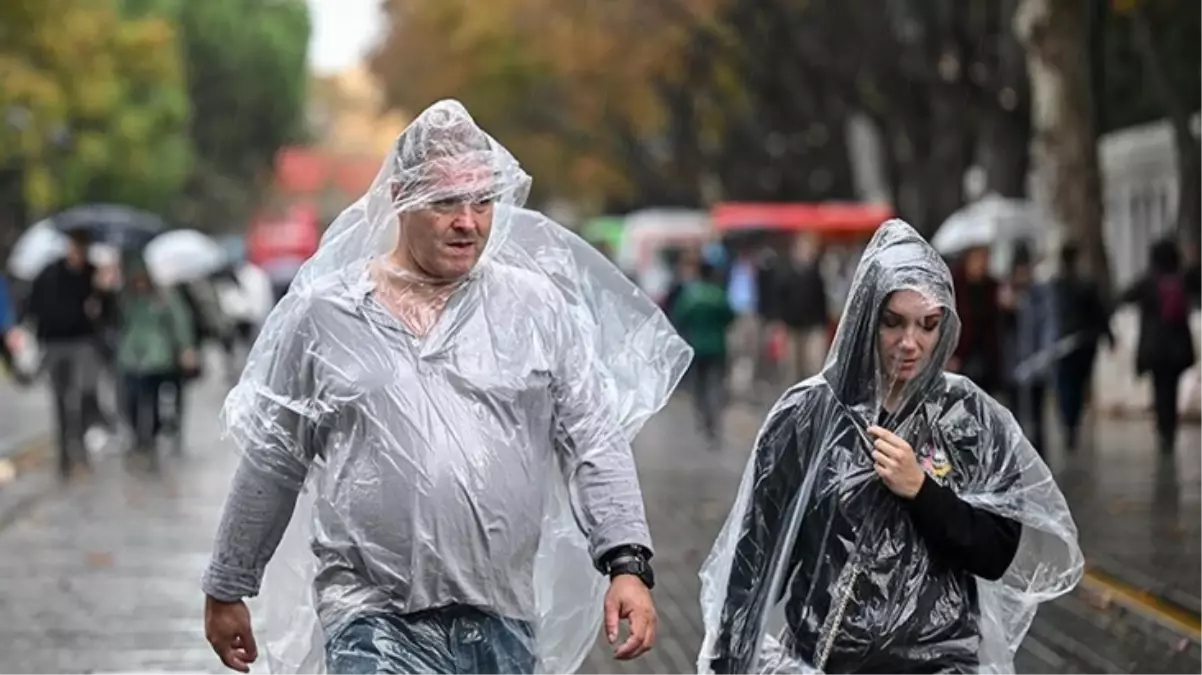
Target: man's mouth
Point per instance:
(461, 245)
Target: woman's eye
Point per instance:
(930, 325)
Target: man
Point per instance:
(1029, 338)
(66, 309)
(742, 289)
(1081, 313)
(801, 298)
(429, 376)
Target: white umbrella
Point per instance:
(41, 245)
(990, 221)
(181, 256)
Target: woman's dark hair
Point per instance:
(1165, 257)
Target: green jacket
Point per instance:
(155, 330)
(703, 315)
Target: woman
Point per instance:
(155, 341)
(1166, 346)
(849, 551)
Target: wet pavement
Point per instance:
(102, 574)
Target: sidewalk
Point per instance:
(1138, 513)
(25, 415)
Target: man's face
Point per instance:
(77, 252)
(446, 236)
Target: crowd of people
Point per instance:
(117, 350)
(1023, 339)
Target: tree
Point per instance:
(1055, 35)
(1163, 35)
(246, 81)
(92, 108)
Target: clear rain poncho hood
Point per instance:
(820, 568)
(458, 464)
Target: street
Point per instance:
(102, 574)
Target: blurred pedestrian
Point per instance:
(1082, 317)
(155, 341)
(10, 336)
(685, 271)
(703, 316)
(801, 301)
(66, 309)
(978, 355)
(1029, 340)
(746, 333)
(1166, 347)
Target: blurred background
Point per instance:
(203, 147)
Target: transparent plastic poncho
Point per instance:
(821, 568)
(464, 431)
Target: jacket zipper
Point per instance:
(840, 611)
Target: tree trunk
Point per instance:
(1006, 117)
(1189, 165)
(1066, 154)
(1005, 152)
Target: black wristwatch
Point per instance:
(633, 560)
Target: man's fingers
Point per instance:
(638, 636)
(611, 620)
(232, 658)
(248, 645)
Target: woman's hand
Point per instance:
(896, 463)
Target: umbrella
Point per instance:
(41, 245)
(990, 221)
(181, 256)
(114, 224)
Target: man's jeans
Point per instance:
(454, 639)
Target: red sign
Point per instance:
(295, 235)
(823, 218)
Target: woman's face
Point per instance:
(908, 331)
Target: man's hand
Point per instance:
(629, 599)
(896, 463)
(227, 627)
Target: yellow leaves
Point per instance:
(552, 79)
(79, 67)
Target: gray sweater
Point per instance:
(433, 459)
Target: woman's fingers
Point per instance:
(883, 461)
(888, 449)
(883, 434)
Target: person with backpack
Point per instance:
(1165, 349)
(155, 341)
